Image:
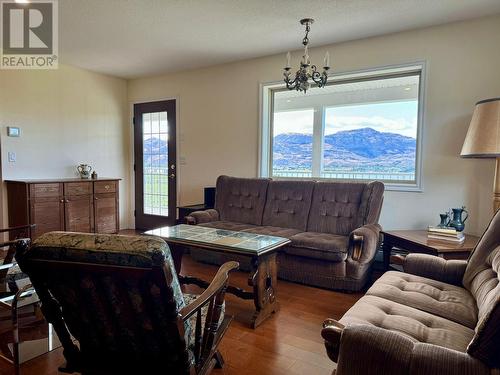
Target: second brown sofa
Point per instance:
(333, 226)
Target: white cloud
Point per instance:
(402, 126)
(294, 122)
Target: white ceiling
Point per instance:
(134, 38)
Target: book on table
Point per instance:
(445, 234)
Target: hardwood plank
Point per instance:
(286, 344)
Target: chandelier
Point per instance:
(306, 71)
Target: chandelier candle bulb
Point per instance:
(327, 60)
(288, 58)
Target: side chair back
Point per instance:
(118, 296)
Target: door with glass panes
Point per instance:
(155, 164)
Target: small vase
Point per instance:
(445, 219)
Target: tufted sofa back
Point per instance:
(288, 204)
(241, 199)
(326, 207)
(340, 207)
(482, 279)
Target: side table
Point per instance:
(416, 241)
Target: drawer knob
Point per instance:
(106, 187)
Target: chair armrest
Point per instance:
(365, 349)
(363, 242)
(436, 268)
(218, 284)
(205, 216)
(331, 332)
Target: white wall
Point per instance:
(67, 117)
(219, 115)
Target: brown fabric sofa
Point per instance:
(333, 226)
(438, 317)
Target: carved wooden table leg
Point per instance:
(264, 279)
(177, 252)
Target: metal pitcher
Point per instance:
(457, 221)
(84, 170)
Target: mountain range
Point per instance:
(359, 150)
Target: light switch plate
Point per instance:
(12, 157)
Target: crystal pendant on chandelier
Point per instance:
(306, 71)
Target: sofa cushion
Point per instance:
(241, 199)
(273, 231)
(419, 326)
(228, 225)
(319, 246)
(288, 204)
(437, 298)
(340, 207)
(482, 279)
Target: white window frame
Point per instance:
(266, 109)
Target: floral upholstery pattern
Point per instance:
(189, 298)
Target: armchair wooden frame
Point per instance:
(205, 351)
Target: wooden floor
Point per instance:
(287, 343)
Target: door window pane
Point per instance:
(155, 162)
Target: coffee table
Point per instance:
(416, 241)
(260, 249)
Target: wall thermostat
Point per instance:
(13, 131)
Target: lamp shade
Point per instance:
(483, 136)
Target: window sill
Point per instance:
(389, 186)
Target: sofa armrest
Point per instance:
(436, 268)
(363, 242)
(366, 349)
(205, 216)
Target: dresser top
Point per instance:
(70, 179)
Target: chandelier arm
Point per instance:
(291, 84)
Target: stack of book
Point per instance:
(445, 234)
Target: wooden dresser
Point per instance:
(70, 204)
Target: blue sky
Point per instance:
(394, 117)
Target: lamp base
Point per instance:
(496, 187)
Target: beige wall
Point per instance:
(67, 117)
(219, 115)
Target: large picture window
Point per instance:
(362, 126)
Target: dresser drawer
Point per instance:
(49, 190)
(78, 188)
(104, 187)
